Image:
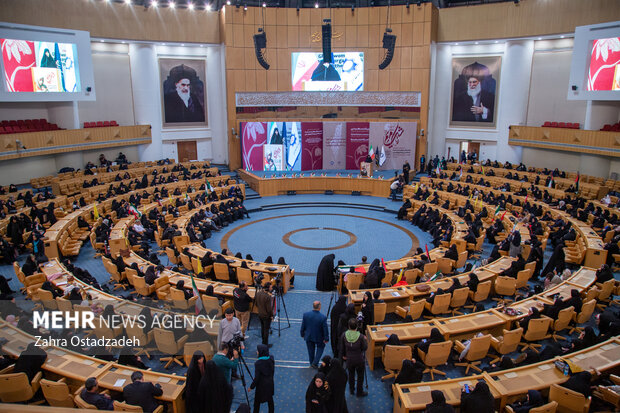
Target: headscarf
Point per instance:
(535, 398)
(408, 373)
(215, 391)
(281, 261)
(192, 384)
(268, 260)
(263, 350)
(436, 336)
(209, 291)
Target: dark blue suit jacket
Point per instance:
(314, 327)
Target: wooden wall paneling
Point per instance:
(271, 15)
(418, 13)
(272, 80)
(250, 80)
(282, 16)
(395, 80)
(304, 17)
(304, 37)
(372, 78)
(406, 38)
(282, 33)
(428, 30)
(420, 57)
(292, 17)
(405, 79)
(362, 37)
(405, 57)
(407, 14)
(292, 37)
(351, 36)
(239, 76)
(418, 34)
(284, 59)
(284, 80)
(236, 60)
(362, 16)
(315, 19)
(237, 15)
(249, 30)
(338, 18)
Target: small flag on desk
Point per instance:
(577, 183)
(196, 294)
(95, 212)
(550, 185)
(497, 210)
(427, 253)
(200, 269)
(503, 215)
(482, 167)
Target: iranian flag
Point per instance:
(577, 183)
(497, 210)
(371, 153)
(196, 294)
(134, 211)
(550, 185)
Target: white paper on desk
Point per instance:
(388, 328)
(481, 315)
(608, 346)
(61, 283)
(395, 294)
(57, 352)
(424, 388)
(510, 375)
(545, 366)
(163, 379)
(87, 362)
(49, 264)
(119, 383)
(581, 356)
(418, 325)
(10, 331)
(454, 320)
(389, 291)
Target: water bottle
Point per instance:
(566, 369)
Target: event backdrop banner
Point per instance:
(253, 137)
(312, 145)
(397, 139)
(357, 144)
(334, 145)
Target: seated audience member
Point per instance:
(90, 394)
(580, 383)
(436, 337)
(533, 313)
(438, 404)
(375, 295)
(411, 371)
(478, 400)
(30, 361)
(141, 393)
(532, 400)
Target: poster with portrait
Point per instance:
(475, 91)
(184, 92)
(273, 157)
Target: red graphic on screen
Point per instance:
(604, 64)
(18, 57)
(254, 136)
(392, 136)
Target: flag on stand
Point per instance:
(209, 188)
(435, 276)
(577, 183)
(134, 211)
(196, 294)
(382, 156)
(482, 167)
(371, 153)
(497, 211)
(95, 212)
(383, 265)
(525, 202)
(503, 215)
(550, 185)
(427, 253)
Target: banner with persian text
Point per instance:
(312, 145)
(396, 139)
(334, 145)
(357, 143)
(253, 138)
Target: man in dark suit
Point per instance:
(314, 331)
(141, 393)
(473, 105)
(91, 395)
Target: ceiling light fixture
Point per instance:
(264, 4)
(208, 7)
(190, 6)
(228, 2)
(128, 2)
(245, 7)
(316, 5)
(171, 5)
(154, 3)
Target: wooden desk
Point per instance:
(486, 322)
(408, 333)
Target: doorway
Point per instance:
(187, 151)
(469, 147)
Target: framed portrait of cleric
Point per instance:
(184, 93)
(475, 91)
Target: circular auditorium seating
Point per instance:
(63, 238)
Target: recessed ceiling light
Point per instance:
(182, 44)
(264, 4)
(123, 42)
(540, 38)
(127, 1)
(497, 41)
(102, 41)
(476, 42)
(228, 2)
(208, 7)
(245, 7)
(456, 44)
(171, 5)
(316, 5)
(154, 3)
(190, 6)
(163, 44)
(561, 37)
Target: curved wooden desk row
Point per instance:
(518, 185)
(508, 383)
(60, 185)
(78, 367)
(54, 233)
(595, 254)
(316, 184)
(593, 190)
(101, 170)
(465, 326)
(59, 202)
(118, 234)
(94, 191)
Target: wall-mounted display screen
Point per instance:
(38, 66)
(604, 69)
(346, 73)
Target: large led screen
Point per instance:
(604, 68)
(346, 73)
(39, 66)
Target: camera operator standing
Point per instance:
(229, 326)
(225, 362)
(264, 306)
(242, 301)
(353, 347)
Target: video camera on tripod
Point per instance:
(258, 280)
(235, 342)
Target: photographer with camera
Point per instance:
(242, 301)
(230, 326)
(264, 306)
(226, 361)
(353, 347)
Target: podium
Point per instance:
(366, 169)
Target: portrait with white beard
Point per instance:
(183, 92)
(475, 83)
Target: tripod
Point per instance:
(279, 301)
(242, 375)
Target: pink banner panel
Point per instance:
(253, 137)
(312, 145)
(357, 143)
(397, 140)
(334, 145)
